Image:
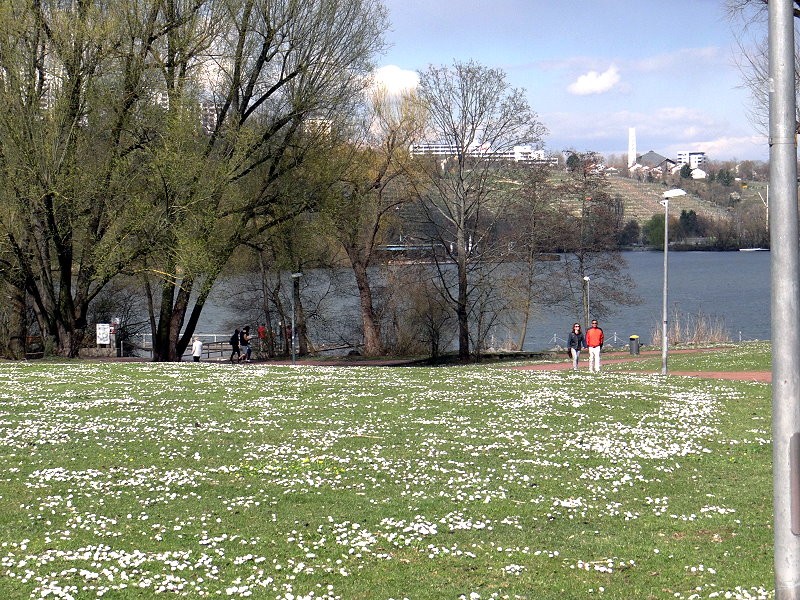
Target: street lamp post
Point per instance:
(588, 306)
(665, 203)
(295, 286)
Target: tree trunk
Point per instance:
(528, 303)
(300, 319)
(373, 345)
(170, 321)
(61, 319)
(269, 335)
(17, 322)
(163, 349)
(69, 340)
(462, 310)
(168, 342)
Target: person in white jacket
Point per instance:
(197, 349)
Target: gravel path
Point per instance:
(616, 358)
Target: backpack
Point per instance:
(234, 341)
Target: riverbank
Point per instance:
(539, 361)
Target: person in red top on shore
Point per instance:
(594, 340)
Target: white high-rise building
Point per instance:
(631, 146)
(524, 153)
(695, 160)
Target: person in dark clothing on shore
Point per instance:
(575, 343)
(244, 343)
(234, 341)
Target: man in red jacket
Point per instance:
(594, 340)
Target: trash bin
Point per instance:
(635, 345)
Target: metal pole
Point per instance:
(664, 341)
(295, 288)
(785, 304)
(588, 305)
(291, 341)
(665, 202)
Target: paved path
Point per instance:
(562, 365)
(616, 358)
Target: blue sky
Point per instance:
(592, 69)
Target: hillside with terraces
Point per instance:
(641, 200)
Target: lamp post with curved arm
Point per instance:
(665, 203)
(295, 287)
(588, 306)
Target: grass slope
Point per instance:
(201, 480)
(641, 201)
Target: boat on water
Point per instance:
(753, 249)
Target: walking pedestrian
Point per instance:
(576, 341)
(244, 343)
(197, 349)
(234, 342)
(594, 340)
(262, 338)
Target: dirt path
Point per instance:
(616, 358)
(562, 365)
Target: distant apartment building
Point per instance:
(652, 163)
(208, 110)
(695, 160)
(525, 153)
(656, 165)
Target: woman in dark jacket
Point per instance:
(244, 343)
(575, 343)
(234, 341)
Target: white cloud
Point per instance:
(395, 80)
(595, 83)
(753, 147)
(682, 116)
(665, 131)
(708, 56)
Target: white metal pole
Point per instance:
(664, 341)
(785, 302)
(588, 304)
(664, 291)
(291, 341)
(295, 287)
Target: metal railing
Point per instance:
(214, 344)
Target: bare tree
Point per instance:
(475, 113)
(590, 222)
(753, 58)
(532, 230)
(373, 185)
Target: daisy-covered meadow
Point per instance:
(136, 480)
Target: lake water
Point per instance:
(731, 286)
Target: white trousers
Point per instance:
(594, 359)
(576, 354)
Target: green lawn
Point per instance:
(202, 480)
(751, 356)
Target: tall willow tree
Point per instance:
(71, 75)
(158, 136)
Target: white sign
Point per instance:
(103, 333)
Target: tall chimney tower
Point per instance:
(631, 146)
